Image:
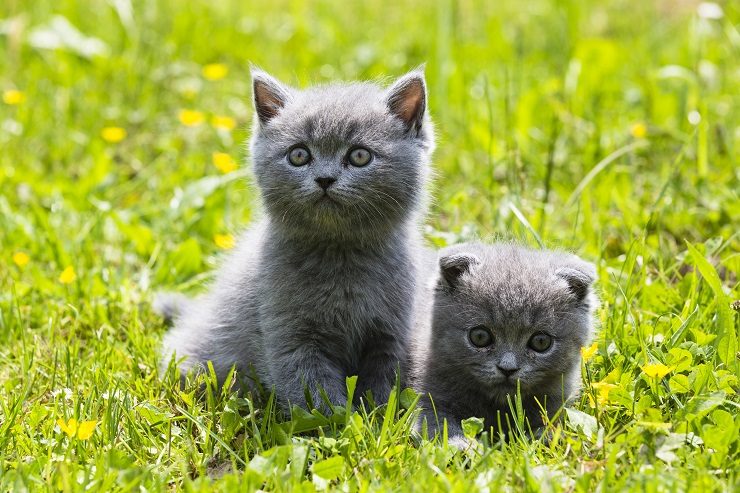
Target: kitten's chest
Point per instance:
(342, 290)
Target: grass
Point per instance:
(608, 128)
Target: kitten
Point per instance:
(503, 317)
(322, 287)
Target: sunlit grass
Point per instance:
(608, 128)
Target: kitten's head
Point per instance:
(505, 314)
(343, 158)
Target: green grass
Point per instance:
(609, 128)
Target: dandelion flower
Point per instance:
(69, 427)
(588, 352)
(13, 97)
(113, 135)
(21, 259)
(639, 130)
(223, 122)
(72, 428)
(224, 162)
(656, 370)
(68, 275)
(191, 118)
(602, 393)
(86, 429)
(215, 71)
(225, 242)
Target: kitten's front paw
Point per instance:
(460, 442)
(464, 444)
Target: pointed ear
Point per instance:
(407, 99)
(270, 96)
(455, 265)
(579, 278)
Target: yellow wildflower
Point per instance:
(602, 393)
(72, 428)
(588, 352)
(13, 97)
(21, 259)
(223, 122)
(68, 275)
(215, 71)
(113, 134)
(656, 370)
(639, 130)
(191, 118)
(224, 162)
(85, 429)
(224, 241)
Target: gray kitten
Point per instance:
(502, 315)
(322, 287)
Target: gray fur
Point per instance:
(170, 305)
(514, 292)
(320, 289)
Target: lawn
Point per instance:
(609, 128)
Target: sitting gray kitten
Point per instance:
(322, 287)
(502, 315)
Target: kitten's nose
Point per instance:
(508, 365)
(508, 371)
(325, 181)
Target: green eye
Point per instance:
(359, 156)
(540, 342)
(480, 336)
(299, 156)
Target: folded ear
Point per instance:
(579, 278)
(455, 265)
(270, 95)
(407, 100)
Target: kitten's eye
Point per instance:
(480, 336)
(299, 156)
(359, 156)
(540, 342)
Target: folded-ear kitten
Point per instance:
(503, 318)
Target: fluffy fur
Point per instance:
(513, 293)
(322, 287)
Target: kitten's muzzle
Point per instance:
(508, 365)
(508, 372)
(325, 181)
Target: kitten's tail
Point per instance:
(169, 305)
